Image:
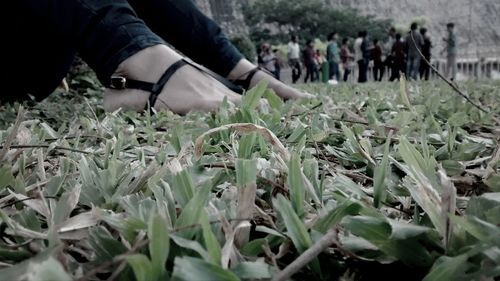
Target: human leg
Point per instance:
(453, 63)
(361, 66)
(409, 63)
(347, 71)
(107, 33)
(184, 26)
(416, 66)
(336, 68)
(296, 70)
(308, 73)
(31, 71)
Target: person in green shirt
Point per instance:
(333, 56)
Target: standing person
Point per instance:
(309, 61)
(267, 59)
(346, 57)
(451, 50)
(426, 51)
(367, 54)
(378, 63)
(387, 48)
(359, 46)
(333, 56)
(398, 54)
(277, 64)
(319, 59)
(413, 56)
(294, 58)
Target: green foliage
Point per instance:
(275, 20)
(123, 194)
(245, 45)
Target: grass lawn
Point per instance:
(403, 180)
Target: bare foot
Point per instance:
(281, 89)
(188, 89)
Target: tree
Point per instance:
(275, 20)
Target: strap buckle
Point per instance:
(118, 82)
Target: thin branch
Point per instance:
(328, 239)
(307, 111)
(362, 123)
(452, 85)
(46, 146)
(26, 199)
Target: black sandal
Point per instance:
(245, 83)
(120, 82)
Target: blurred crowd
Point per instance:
(397, 55)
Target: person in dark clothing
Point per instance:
(309, 62)
(378, 63)
(277, 65)
(426, 51)
(414, 42)
(398, 53)
(361, 51)
(125, 43)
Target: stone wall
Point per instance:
(227, 13)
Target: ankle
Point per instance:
(148, 64)
(241, 70)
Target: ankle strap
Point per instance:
(120, 83)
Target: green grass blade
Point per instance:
(381, 170)
(159, 246)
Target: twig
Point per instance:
(307, 256)
(119, 270)
(45, 146)
(362, 123)
(27, 189)
(307, 110)
(452, 85)
(26, 199)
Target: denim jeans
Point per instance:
(412, 67)
(334, 71)
(45, 35)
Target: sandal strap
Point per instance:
(163, 80)
(231, 85)
(119, 82)
(245, 83)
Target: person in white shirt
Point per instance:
(294, 58)
(358, 56)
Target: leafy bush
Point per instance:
(245, 46)
(276, 20)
